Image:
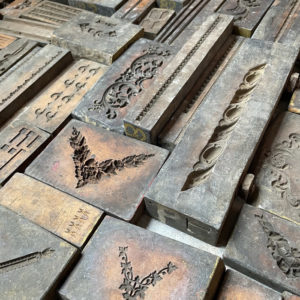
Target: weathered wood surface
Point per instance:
(123, 84)
(155, 107)
(60, 213)
(53, 105)
(95, 37)
(17, 7)
(6, 40)
(266, 247)
(196, 187)
(33, 75)
(105, 169)
(166, 269)
(32, 260)
(176, 5)
(294, 105)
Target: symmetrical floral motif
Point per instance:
(218, 142)
(88, 170)
(241, 9)
(135, 287)
(130, 83)
(287, 257)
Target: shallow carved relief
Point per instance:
(88, 170)
(75, 226)
(287, 257)
(218, 142)
(135, 287)
(96, 32)
(241, 9)
(130, 83)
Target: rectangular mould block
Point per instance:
(247, 14)
(18, 142)
(102, 7)
(134, 10)
(176, 5)
(266, 247)
(155, 21)
(172, 133)
(95, 37)
(6, 40)
(60, 213)
(277, 168)
(122, 85)
(294, 105)
(123, 261)
(17, 7)
(14, 52)
(53, 105)
(155, 107)
(33, 75)
(196, 188)
(32, 260)
(51, 12)
(102, 168)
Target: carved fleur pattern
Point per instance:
(130, 83)
(241, 9)
(287, 257)
(135, 287)
(88, 170)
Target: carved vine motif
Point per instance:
(130, 83)
(135, 287)
(88, 170)
(96, 32)
(287, 257)
(276, 166)
(241, 9)
(218, 142)
(24, 261)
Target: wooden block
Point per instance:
(19, 142)
(134, 10)
(139, 264)
(277, 168)
(196, 188)
(294, 105)
(102, 7)
(281, 23)
(53, 106)
(32, 260)
(102, 168)
(61, 214)
(155, 21)
(176, 126)
(123, 84)
(247, 14)
(14, 52)
(51, 12)
(238, 286)
(176, 5)
(156, 105)
(289, 296)
(266, 248)
(6, 40)
(33, 30)
(17, 7)
(95, 37)
(26, 81)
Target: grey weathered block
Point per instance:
(17, 7)
(196, 187)
(176, 5)
(32, 260)
(266, 247)
(29, 78)
(149, 115)
(123, 84)
(277, 168)
(95, 37)
(123, 261)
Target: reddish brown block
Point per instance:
(60, 213)
(6, 40)
(18, 141)
(105, 169)
(123, 261)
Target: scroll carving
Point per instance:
(287, 257)
(241, 9)
(218, 142)
(88, 170)
(135, 287)
(130, 83)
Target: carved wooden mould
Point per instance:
(105, 169)
(176, 5)
(294, 105)
(6, 40)
(205, 169)
(17, 7)
(119, 250)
